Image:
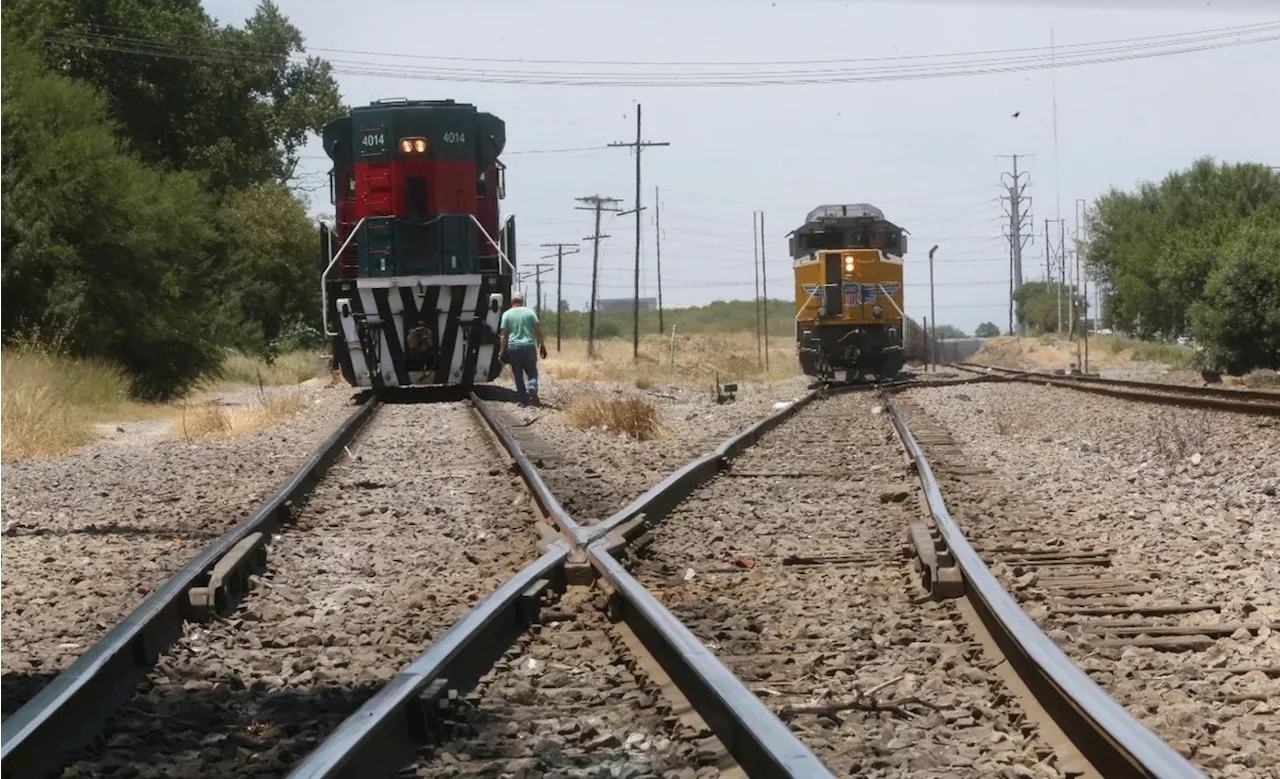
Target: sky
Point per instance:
(926, 151)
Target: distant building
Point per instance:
(624, 304)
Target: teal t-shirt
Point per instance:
(519, 322)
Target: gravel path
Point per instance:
(87, 537)
(569, 700)
(797, 581)
(594, 472)
(395, 544)
(1177, 506)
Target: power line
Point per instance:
(1111, 44)
(1083, 54)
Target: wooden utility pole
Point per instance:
(538, 270)
(755, 265)
(657, 232)
(764, 283)
(597, 204)
(932, 313)
(639, 145)
(559, 255)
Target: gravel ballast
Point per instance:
(401, 538)
(87, 537)
(1183, 505)
(596, 471)
(789, 566)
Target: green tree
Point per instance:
(1037, 303)
(270, 270)
(1238, 318)
(1157, 247)
(233, 103)
(96, 243)
(949, 331)
(987, 330)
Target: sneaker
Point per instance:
(533, 398)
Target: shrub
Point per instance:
(633, 417)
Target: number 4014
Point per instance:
(375, 139)
(455, 137)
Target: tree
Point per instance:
(948, 331)
(97, 244)
(1037, 304)
(1157, 247)
(269, 266)
(987, 330)
(1238, 318)
(233, 103)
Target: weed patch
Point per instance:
(217, 422)
(633, 417)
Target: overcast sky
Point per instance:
(924, 150)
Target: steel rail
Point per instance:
(678, 485)
(753, 734)
(541, 492)
(380, 737)
(1247, 401)
(71, 709)
(1107, 734)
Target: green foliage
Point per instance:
(96, 243)
(1238, 317)
(987, 330)
(1037, 303)
(269, 269)
(948, 331)
(233, 103)
(1157, 247)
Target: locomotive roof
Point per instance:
(844, 215)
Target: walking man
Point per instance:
(520, 330)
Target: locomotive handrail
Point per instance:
(501, 254)
(324, 291)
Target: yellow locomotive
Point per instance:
(850, 319)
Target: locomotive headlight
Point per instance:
(420, 146)
(848, 263)
(877, 312)
(406, 146)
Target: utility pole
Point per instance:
(559, 255)
(597, 204)
(657, 232)
(536, 273)
(1052, 259)
(932, 313)
(1019, 213)
(639, 145)
(755, 265)
(764, 281)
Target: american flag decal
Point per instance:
(852, 296)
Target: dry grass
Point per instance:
(1176, 438)
(633, 417)
(1047, 352)
(1262, 378)
(699, 358)
(50, 402)
(217, 422)
(240, 370)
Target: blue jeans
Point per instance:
(524, 360)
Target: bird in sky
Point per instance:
(1016, 114)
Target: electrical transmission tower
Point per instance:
(639, 145)
(1019, 231)
(559, 255)
(597, 204)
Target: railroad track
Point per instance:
(534, 678)
(1198, 669)
(789, 565)
(1217, 398)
